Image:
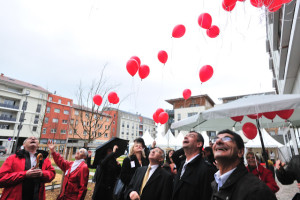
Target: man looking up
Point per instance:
(233, 181)
(195, 174)
(22, 176)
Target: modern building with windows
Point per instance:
(192, 106)
(17, 97)
(57, 119)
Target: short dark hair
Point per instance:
(140, 140)
(237, 138)
(199, 138)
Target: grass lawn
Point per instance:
(1, 163)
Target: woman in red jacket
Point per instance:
(262, 173)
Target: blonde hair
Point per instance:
(131, 152)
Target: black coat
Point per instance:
(195, 182)
(242, 185)
(291, 173)
(127, 171)
(106, 178)
(158, 187)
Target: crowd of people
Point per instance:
(217, 172)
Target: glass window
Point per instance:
(36, 119)
(56, 110)
(179, 116)
(53, 130)
(50, 99)
(62, 131)
(105, 135)
(70, 132)
(72, 121)
(34, 128)
(59, 101)
(48, 110)
(38, 108)
(46, 120)
(44, 130)
(76, 122)
(66, 112)
(99, 134)
(64, 121)
(76, 112)
(69, 103)
(87, 115)
(84, 133)
(55, 120)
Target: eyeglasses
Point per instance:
(224, 139)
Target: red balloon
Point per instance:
(269, 115)
(158, 111)
(178, 31)
(285, 114)
(204, 20)
(116, 100)
(132, 67)
(237, 118)
(213, 31)
(137, 59)
(186, 94)
(206, 73)
(97, 99)
(112, 96)
(144, 71)
(255, 116)
(162, 56)
(155, 118)
(273, 5)
(242, 0)
(250, 130)
(256, 3)
(163, 117)
(228, 3)
(228, 8)
(274, 9)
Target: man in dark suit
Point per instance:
(151, 182)
(195, 174)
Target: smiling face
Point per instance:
(190, 141)
(225, 148)
(31, 144)
(250, 157)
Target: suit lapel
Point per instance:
(154, 176)
(77, 167)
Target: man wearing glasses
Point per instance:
(195, 174)
(233, 181)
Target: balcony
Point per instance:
(9, 106)
(5, 118)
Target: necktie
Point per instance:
(145, 180)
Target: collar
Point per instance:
(187, 162)
(221, 179)
(154, 167)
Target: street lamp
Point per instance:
(22, 118)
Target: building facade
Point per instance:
(187, 108)
(17, 97)
(57, 118)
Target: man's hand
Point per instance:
(51, 146)
(279, 164)
(134, 195)
(89, 153)
(115, 148)
(34, 173)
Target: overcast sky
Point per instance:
(56, 44)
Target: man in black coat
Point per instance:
(195, 174)
(151, 182)
(233, 181)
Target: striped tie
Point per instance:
(145, 180)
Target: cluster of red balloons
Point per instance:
(205, 73)
(186, 94)
(160, 116)
(113, 98)
(134, 65)
(204, 21)
(162, 56)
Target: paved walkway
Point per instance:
(286, 192)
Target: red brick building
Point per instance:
(57, 117)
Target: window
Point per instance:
(41, 96)
(38, 108)
(50, 99)
(75, 131)
(53, 130)
(34, 128)
(127, 125)
(44, 131)
(69, 103)
(179, 116)
(123, 124)
(191, 114)
(84, 133)
(99, 134)
(113, 122)
(76, 122)
(76, 112)
(55, 120)
(56, 110)
(87, 115)
(66, 112)
(62, 131)
(46, 120)
(105, 135)
(107, 119)
(48, 110)
(87, 123)
(101, 117)
(105, 127)
(122, 133)
(72, 121)
(95, 116)
(64, 121)
(83, 123)
(36, 119)
(59, 101)
(70, 132)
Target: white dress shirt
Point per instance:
(32, 159)
(75, 164)
(152, 170)
(221, 179)
(185, 164)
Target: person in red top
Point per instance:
(22, 176)
(262, 173)
(76, 174)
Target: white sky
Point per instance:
(58, 43)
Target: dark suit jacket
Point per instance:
(158, 187)
(195, 182)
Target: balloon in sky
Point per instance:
(228, 8)
(132, 67)
(144, 71)
(213, 31)
(250, 130)
(112, 96)
(206, 73)
(186, 94)
(256, 3)
(205, 20)
(228, 3)
(163, 117)
(162, 56)
(116, 100)
(155, 118)
(97, 99)
(178, 31)
(137, 59)
(158, 111)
